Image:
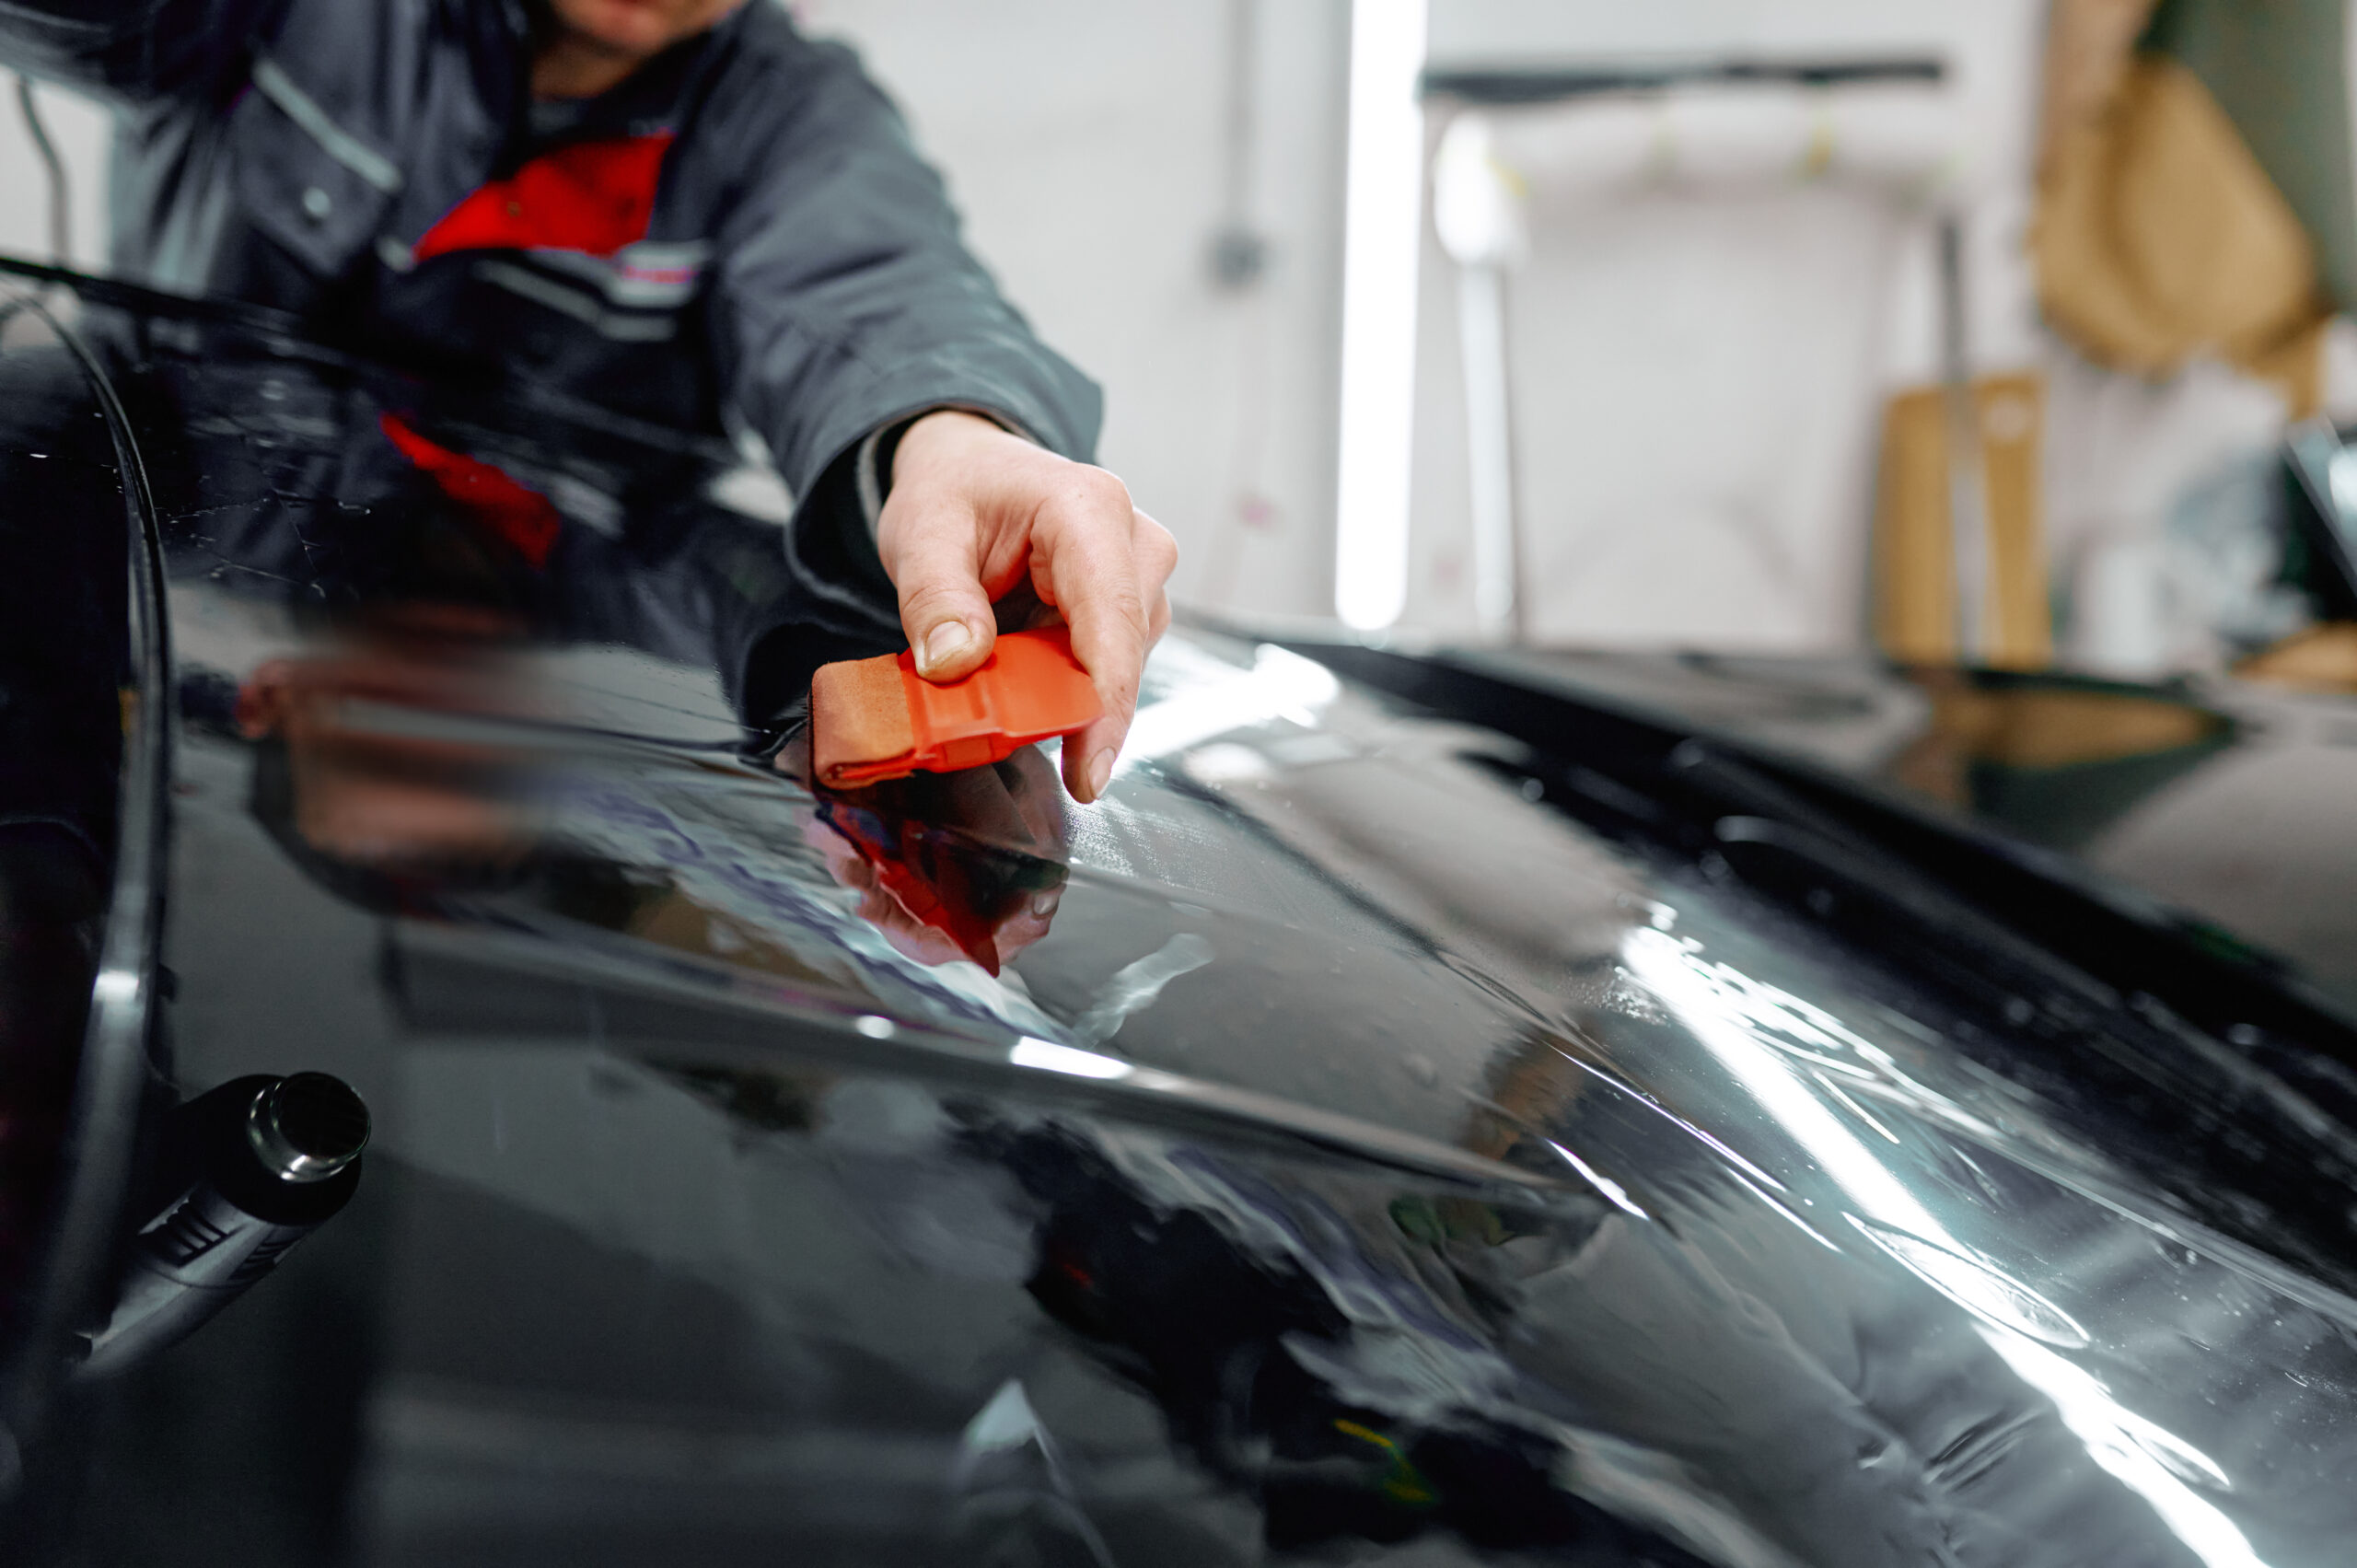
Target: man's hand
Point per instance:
(972, 510)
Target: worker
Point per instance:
(683, 210)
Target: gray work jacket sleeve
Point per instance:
(843, 300)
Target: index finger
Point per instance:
(1084, 562)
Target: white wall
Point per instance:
(1084, 143)
(80, 129)
(1698, 374)
(1992, 47)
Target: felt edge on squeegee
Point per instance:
(859, 716)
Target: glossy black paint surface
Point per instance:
(2228, 805)
(1421, 1116)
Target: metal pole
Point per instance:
(1967, 505)
(1481, 322)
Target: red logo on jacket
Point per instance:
(593, 196)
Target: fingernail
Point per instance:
(1100, 772)
(946, 642)
(1043, 904)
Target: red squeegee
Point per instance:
(876, 718)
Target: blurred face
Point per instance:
(639, 29)
(366, 789)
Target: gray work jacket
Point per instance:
(742, 230)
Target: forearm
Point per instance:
(845, 304)
(126, 49)
(76, 19)
(846, 301)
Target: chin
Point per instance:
(631, 27)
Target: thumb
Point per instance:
(935, 567)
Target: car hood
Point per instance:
(1419, 1110)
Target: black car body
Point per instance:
(1440, 1107)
